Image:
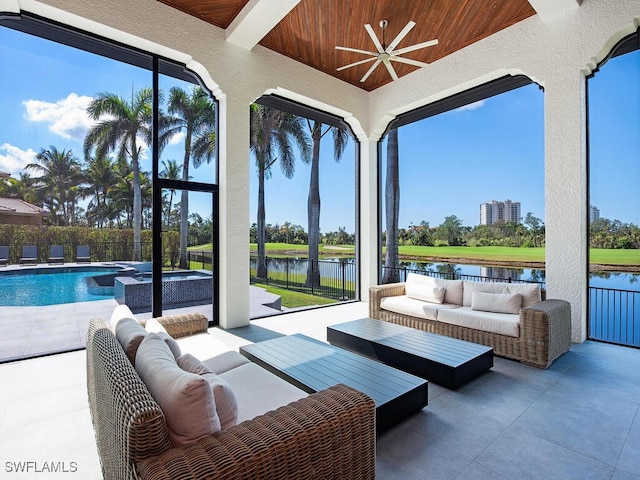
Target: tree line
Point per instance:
(296, 235)
(109, 174)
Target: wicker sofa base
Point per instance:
(329, 434)
(545, 328)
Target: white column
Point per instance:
(369, 228)
(566, 194)
(234, 212)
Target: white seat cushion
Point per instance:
(202, 346)
(501, 323)
(259, 391)
(416, 308)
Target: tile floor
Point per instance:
(579, 419)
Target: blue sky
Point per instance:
(450, 164)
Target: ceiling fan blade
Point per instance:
(356, 63)
(391, 70)
(370, 71)
(408, 61)
(374, 37)
(400, 36)
(348, 49)
(417, 46)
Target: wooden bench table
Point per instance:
(446, 361)
(312, 366)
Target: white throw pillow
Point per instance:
(453, 288)
(119, 313)
(426, 294)
(154, 326)
(496, 302)
(130, 335)
(226, 402)
(185, 398)
(530, 292)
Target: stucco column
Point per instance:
(234, 212)
(368, 216)
(566, 193)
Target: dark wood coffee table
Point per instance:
(312, 366)
(446, 361)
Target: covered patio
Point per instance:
(578, 419)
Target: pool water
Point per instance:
(52, 286)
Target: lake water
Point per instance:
(613, 280)
(329, 269)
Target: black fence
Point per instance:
(402, 273)
(200, 259)
(336, 279)
(614, 316)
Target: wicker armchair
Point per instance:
(327, 435)
(545, 328)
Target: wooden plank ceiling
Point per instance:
(311, 31)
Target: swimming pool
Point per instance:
(52, 286)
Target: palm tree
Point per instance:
(392, 209)
(121, 125)
(101, 176)
(273, 131)
(195, 113)
(340, 139)
(172, 171)
(22, 188)
(60, 173)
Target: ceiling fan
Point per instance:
(386, 53)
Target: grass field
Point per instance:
(476, 254)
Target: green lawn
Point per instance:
(511, 254)
(614, 257)
(291, 299)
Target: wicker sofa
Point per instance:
(329, 434)
(535, 334)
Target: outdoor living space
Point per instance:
(580, 418)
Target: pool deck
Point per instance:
(41, 330)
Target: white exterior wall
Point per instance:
(556, 52)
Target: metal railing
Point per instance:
(614, 316)
(333, 279)
(200, 259)
(452, 275)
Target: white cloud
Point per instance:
(13, 159)
(67, 117)
(471, 106)
(177, 138)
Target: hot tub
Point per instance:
(181, 287)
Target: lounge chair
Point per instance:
(4, 255)
(82, 254)
(29, 255)
(56, 254)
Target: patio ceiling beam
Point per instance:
(256, 19)
(549, 9)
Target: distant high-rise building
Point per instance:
(492, 212)
(594, 213)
